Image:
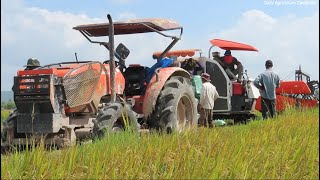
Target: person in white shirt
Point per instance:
(208, 95)
(316, 93)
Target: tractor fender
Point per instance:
(156, 84)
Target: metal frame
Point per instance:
(299, 75)
(112, 53)
(106, 44)
(229, 85)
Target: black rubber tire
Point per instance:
(110, 120)
(176, 107)
(11, 121)
(3, 136)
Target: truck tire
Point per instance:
(176, 107)
(110, 120)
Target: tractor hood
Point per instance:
(230, 45)
(132, 26)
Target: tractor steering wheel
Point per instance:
(116, 63)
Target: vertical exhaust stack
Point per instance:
(111, 53)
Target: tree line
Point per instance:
(8, 104)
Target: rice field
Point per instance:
(4, 114)
(286, 147)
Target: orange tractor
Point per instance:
(72, 101)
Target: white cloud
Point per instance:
(288, 41)
(33, 32)
(48, 35)
(127, 15)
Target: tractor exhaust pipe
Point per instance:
(111, 54)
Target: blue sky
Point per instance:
(286, 31)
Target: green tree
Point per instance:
(8, 105)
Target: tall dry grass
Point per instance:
(286, 147)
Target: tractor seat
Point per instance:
(135, 76)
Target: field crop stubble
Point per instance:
(282, 148)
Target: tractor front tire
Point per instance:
(110, 119)
(176, 107)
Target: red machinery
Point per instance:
(70, 101)
(296, 93)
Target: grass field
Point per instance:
(286, 147)
(4, 114)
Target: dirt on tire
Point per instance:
(176, 108)
(110, 119)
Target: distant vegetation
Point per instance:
(7, 100)
(286, 147)
(6, 96)
(8, 105)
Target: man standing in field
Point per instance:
(267, 82)
(208, 95)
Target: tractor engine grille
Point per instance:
(80, 83)
(36, 92)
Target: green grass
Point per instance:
(4, 114)
(286, 147)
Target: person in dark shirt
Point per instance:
(228, 62)
(192, 66)
(267, 82)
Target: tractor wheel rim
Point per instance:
(184, 113)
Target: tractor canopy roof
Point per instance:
(230, 45)
(132, 26)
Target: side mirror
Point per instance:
(122, 51)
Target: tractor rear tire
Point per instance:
(176, 107)
(110, 120)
